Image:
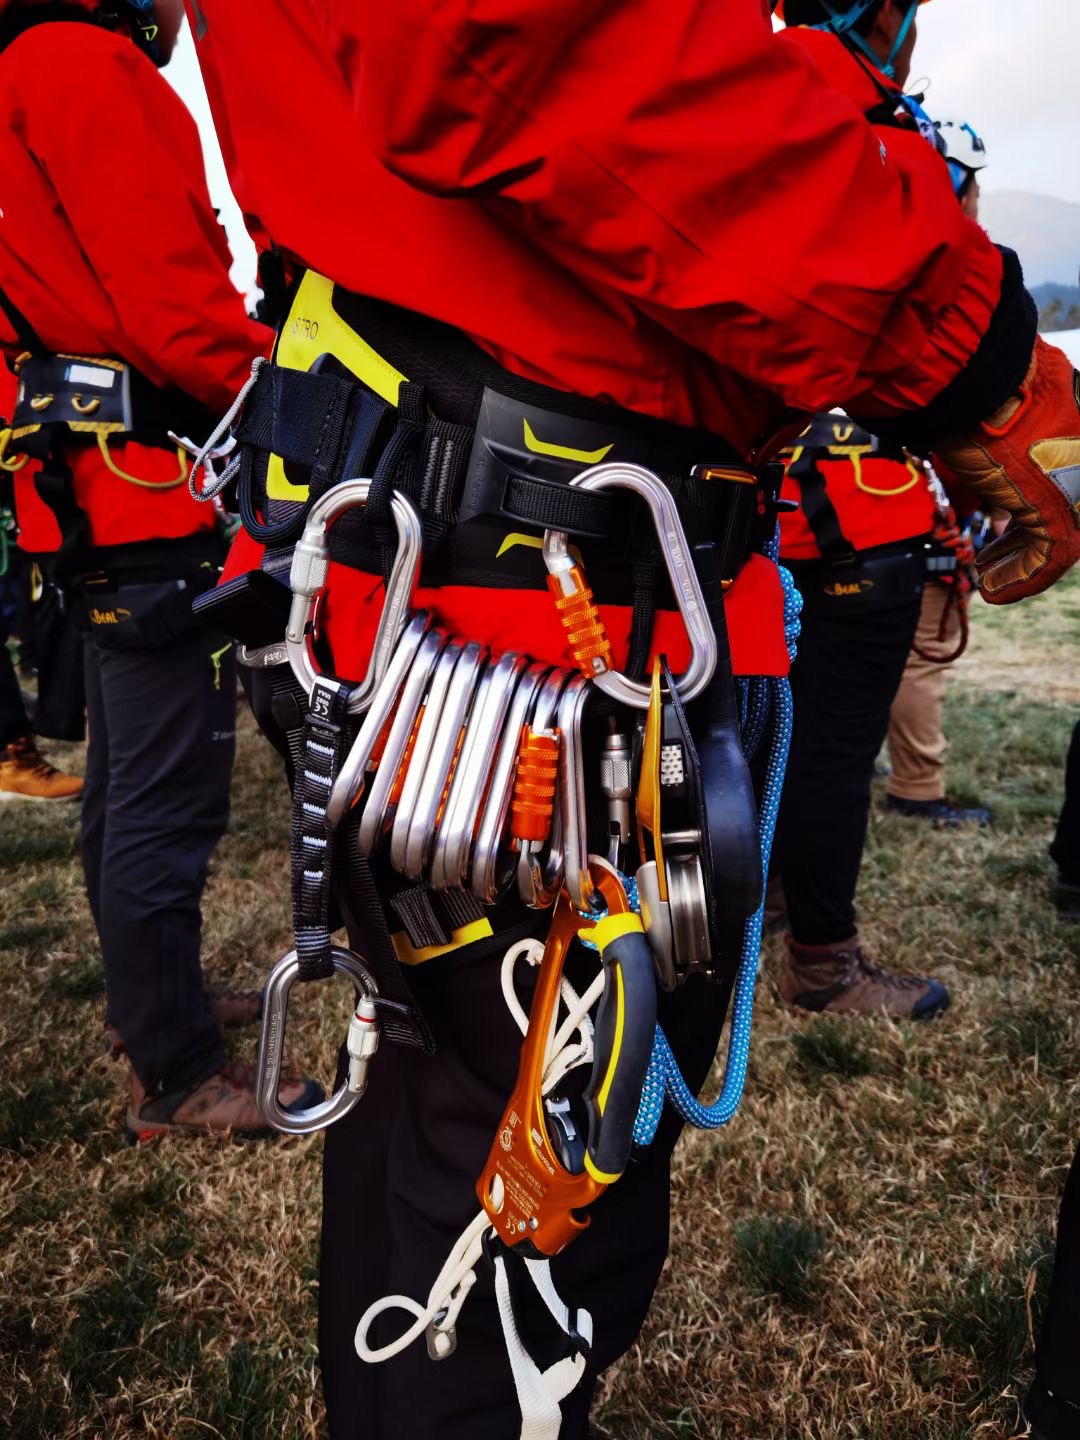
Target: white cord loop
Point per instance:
(215, 450)
(539, 1392)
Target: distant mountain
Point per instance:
(1044, 231)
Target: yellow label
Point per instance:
(314, 328)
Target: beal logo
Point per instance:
(506, 1138)
(109, 617)
(305, 329)
(840, 591)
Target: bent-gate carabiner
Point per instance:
(308, 576)
(578, 611)
(363, 1041)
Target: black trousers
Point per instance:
(1066, 847)
(848, 671)
(1059, 1341)
(162, 735)
(14, 722)
(399, 1187)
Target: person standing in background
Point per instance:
(119, 321)
(917, 745)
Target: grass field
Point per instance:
(861, 1254)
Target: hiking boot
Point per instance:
(1050, 1416)
(222, 1105)
(774, 917)
(231, 1009)
(1067, 900)
(840, 980)
(942, 814)
(25, 775)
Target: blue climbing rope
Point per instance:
(765, 702)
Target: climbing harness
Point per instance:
(467, 773)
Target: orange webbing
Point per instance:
(580, 618)
(534, 785)
(450, 777)
(399, 778)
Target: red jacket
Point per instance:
(109, 247)
(636, 201)
(658, 202)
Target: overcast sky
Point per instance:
(1009, 67)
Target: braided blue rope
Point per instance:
(762, 700)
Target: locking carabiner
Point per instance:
(579, 615)
(308, 576)
(362, 1042)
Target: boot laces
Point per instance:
(28, 757)
(880, 976)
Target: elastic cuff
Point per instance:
(995, 372)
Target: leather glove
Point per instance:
(1025, 458)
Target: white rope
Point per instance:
(569, 1045)
(213, 449)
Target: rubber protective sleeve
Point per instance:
(623, 1041)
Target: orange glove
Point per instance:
(1025, 458)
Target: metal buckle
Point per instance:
(569, 581)
(308, 577)
(362, 1043)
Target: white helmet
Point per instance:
(965, 152)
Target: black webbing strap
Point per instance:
(550, 505)
(329, 877)
(323, 743)
(400, 1017)
(320, 422)
(819, 510)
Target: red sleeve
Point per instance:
(135, 195)
(681, 154)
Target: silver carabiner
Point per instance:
(363, 1041)
(397, 742)
(422, 818)
(485, 874)
(575, 846)
(349, 784)
(441, 680)
(479, 752)
(308, 576)
(539, 875)
(680, 567)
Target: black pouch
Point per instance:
(56, 632)
(149, 616)
(871, 582)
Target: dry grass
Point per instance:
(850, 1259)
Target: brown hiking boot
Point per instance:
(840, 980)
(222, 1105)
(25, 775)
(231, 1008)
